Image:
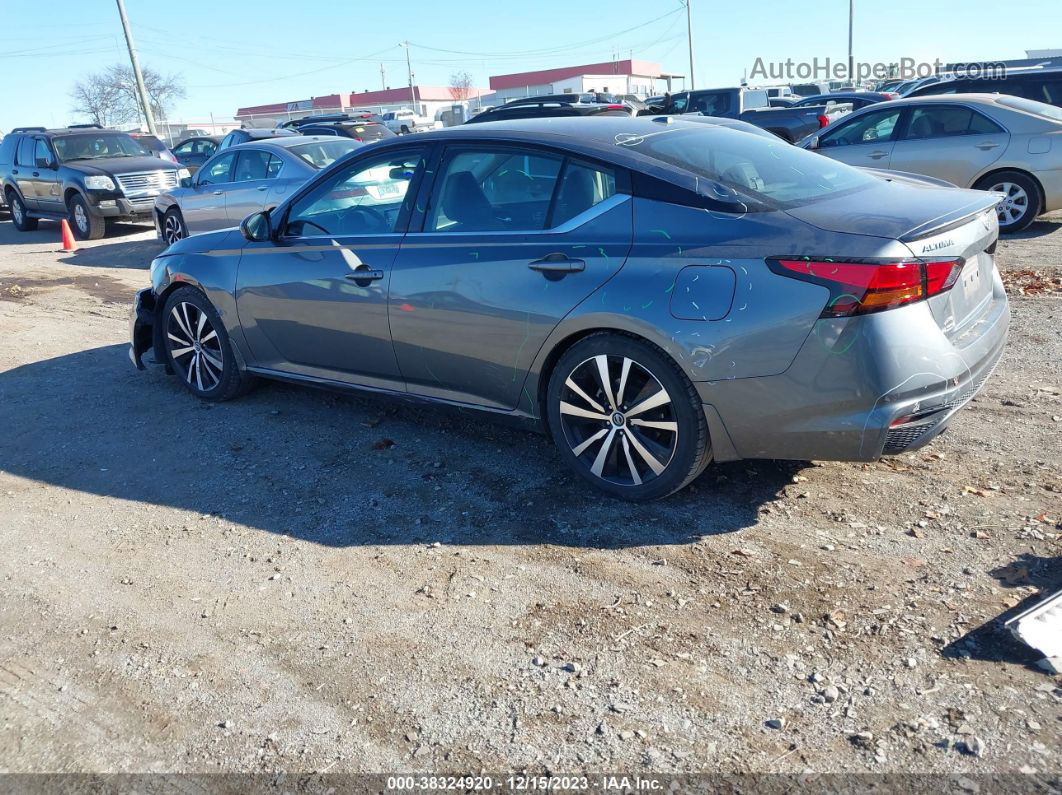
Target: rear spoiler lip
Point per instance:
(954, 219)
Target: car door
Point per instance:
(254, 173)
(864, 139)
(203, 207)
(313, 300)
(46, 178)
(950, 142)
(25, 165)
(193, 153)
(512, 239)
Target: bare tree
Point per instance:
(460, 85)
(110, 96)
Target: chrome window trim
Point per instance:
(603, 206)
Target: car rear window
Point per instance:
(1031, 106)
(323, 153)
(733, 167)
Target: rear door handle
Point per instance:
(36, 173)
(557, 263)
(365, 275)
(217, 193)
(262, 187)
(877, 155)
(983, 146)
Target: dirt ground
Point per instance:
(300, 581)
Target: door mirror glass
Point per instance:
(258, 228)
(186, 182)
(44, 162)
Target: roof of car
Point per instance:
(287, 142)
(215, 138)
(267, 132)
(925, 99)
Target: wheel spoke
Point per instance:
(184, 327)
(623, 381)
(211, 358)
(582, 448)
(656, 400)
(191, 365)
(187, 322)
(574, 387)
(177, 339)
(630, 462)
(606, 381)
(209, 336)
(198, 371)
(204, 363)
(602, 454)
(178, 352)
(575, 411)
(199, 329)
(648, 457)
(659, 425)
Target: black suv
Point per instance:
(242, 136)
(89, 175)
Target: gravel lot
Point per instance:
(302, 581)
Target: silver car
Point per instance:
(992, 142)
(656, 294)
(244, 179)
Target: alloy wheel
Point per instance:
(80, 218)
(1013, 206)
(16, 211)
(618, 419)
(195, 347)
(172, 229)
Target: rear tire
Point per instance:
(640, 437)
(198, 348)
(22, 222)
(1023, 201)
(84, 224)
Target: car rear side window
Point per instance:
(945, 122)
(494, 190)
(323, 153)
(255, 164)
(25, 152)
(7, 149)
(582, 186)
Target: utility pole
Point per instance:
(383, 78)
(409, 69)
(140, 89)
(689, 36)
(851, 63)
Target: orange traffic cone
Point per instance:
(69, 245)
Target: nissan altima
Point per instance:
(656, 294)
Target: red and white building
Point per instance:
(423, 100)
(642, 78)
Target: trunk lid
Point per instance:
(933, 222)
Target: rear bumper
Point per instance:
(1052, 185)
(860, 388)
(141, 326)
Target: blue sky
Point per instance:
(250, 52)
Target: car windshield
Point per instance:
(93, 146)
(734, 167)
(1032, 106)
(324, 153)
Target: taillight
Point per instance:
(863, 286)
(823, 121)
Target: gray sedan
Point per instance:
(656, 294)
(990, 142)
(242, 180)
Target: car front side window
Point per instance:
(217, 171)
(366, 198)
(876, 127)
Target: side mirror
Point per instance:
(814, 142)
(257, 227)
(186, 182)
(45, 162)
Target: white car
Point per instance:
(406, 121)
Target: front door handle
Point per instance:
(217, 193)
(987, 145)
(365, 275)
(36, 173)
(262, 187)
(877, 155)
(557, 263)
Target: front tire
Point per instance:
(1022, 202)
(22, 222)
(198, 348)
(86, 226)
(173, 228)
(625, 418)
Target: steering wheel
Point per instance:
(373, 217)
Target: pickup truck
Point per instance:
(406, 121)
(752, 105)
